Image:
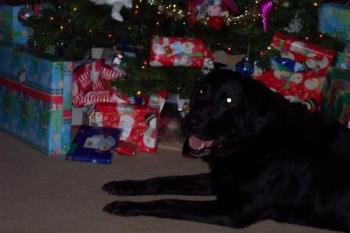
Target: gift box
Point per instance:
(343, 61)
(138, 123)
(179, 51)
(336, 95)
(94, 145)
(13, 61)
(343, 58)
(35, 117)
(11, 30)
(334, 19)
(92, 84)
(303, 86)
(48, 74)
(45, 74)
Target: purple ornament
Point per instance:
(266, 7)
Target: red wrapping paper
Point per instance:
(139, 124)
(299, 86)
(178, 51)
(91, 84)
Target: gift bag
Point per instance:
(139, 124)
(91, 84)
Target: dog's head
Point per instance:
(225, 106)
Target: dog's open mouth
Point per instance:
(199, 147)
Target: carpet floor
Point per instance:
(39, 194)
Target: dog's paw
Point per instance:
(121, 188)
(122, 208)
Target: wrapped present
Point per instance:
(94, 145)
(13, 61)
(45, 74)
(91, 84)
(334, 19)
(179, 51)
(343, 61)
(343, 58)
(138, 123)
(336, 95)
(307, 84)
(11, 30)
(35, 117)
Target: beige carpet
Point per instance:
(51, 195)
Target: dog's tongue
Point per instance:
(198, 144)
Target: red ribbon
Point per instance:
(56, 99)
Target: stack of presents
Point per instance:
(41, 98)
(35, 92)
(316, 76)
(71, 108)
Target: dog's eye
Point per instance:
(203, 92)
(229, 101)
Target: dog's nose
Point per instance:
(195, 121)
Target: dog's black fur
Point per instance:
(269, 159)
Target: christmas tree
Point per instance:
(71, 28)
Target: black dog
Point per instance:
(269, 159)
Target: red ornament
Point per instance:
(216, 22)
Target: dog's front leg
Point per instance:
(200, 184)
(199, 211)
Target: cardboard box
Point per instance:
(35, 117)
(44, 74)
